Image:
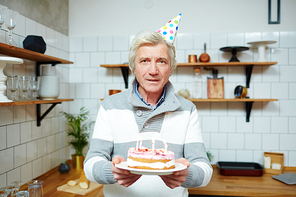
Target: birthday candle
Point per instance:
(165, 146)
(153, 144)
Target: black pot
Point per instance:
(34, 43)
(64, 168)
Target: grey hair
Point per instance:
(149, 37)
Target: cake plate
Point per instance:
(3, 61)
(234, 50)
(261, 45)
(178, 167)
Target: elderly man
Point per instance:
(149, 105)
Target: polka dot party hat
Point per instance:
(169, 30)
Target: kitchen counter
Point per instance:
(219, 185)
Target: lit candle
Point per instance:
(153, 144)
(165, 146)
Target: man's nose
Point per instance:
(153, 69)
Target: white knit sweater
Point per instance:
(122, 117)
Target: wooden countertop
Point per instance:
(219, 185)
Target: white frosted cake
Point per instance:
(146, 158)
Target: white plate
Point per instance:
(178, 167)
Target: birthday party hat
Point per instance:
(169, 30)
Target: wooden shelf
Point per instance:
(208, 64)
(232, 100)
(13, 51)
(35, 102)
(39, 58)
(248, 67)
(248, 103)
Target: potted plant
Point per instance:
(78, 135)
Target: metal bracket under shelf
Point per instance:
(39, 117)
(249, 70)
(38, 73)
(248, 110)
(125, 72)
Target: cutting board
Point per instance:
(77, 190)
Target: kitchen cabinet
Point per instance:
(40, 59)
(248, 72)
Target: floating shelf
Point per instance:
(232, 100)
(34, 102)
(40, 59)
(38, 106)
(248, 67)
(248, 103)
(13, 51)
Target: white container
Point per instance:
(49, 84)
(197, 84)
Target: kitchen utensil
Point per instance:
(274, 158)
(35, 188)
(10, 21)
(113, 92)
(234, 50)
(204, 57)
(215, 85)
(261, 45)
(192, 58)
(240, 92)
(288, 178)
(240, 168)
(77, 190)
(12, 85)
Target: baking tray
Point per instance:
(240, 168)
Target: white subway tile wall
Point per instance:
(226, 133)
(27, 151)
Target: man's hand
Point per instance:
(177, 178)
(123, 177)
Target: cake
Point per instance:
(146, 158)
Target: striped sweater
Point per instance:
(122, 117)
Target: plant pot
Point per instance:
(64, 168)
(79, 162)
(73, 160)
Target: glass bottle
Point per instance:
(197, 84)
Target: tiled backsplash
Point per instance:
(226, 133)
(26, 151)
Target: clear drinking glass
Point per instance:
(35, 188)
(4, 191)
(2, 15)
(10, 21)
(22, 194)
(12, 85)
(24, 86)
(15, 187)
(35, 82)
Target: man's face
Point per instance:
(152, 69)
